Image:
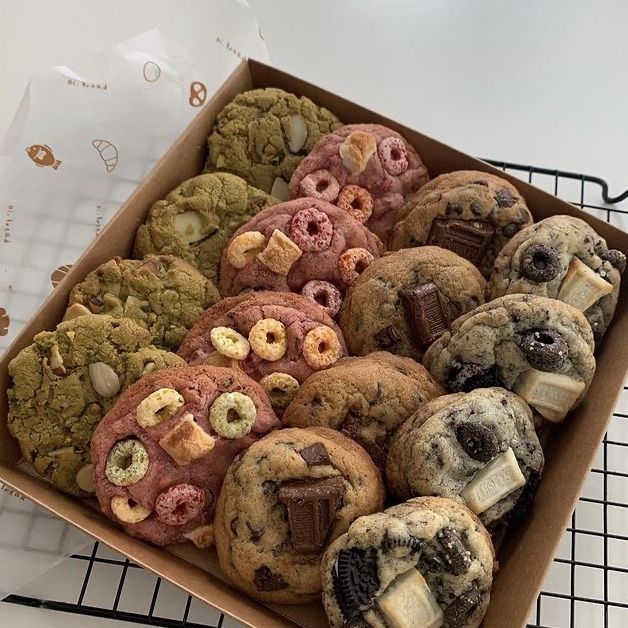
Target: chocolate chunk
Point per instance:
(616, 259)
(266, 580)
(477, 440)
(255, 533)
(510, 229)
(269, 487)
(352, 427)
(526, 498)
(315, 455)
(355, 580)
(471, 376)
(234, 525)
(452, 208)
(388, 337)
(311, 506)
(456, 556)
(424, 313)
(96, 302)
(462, 607)
(505, 198)
(467, 238)
(540, 263)
(545, 349)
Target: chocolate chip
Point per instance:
(234, 525)
(355, 579)
(388, 337)
(468, 377)
(540, 263)
(315, 455)
(545, 349)
(616, 259)
(424, 313)
(526, 498)
(510, 229)
(352, 428)
(477, 440)
(476, 209)
(505, 198)
(481, 182)
(452, 208)
(269, 487)
(463, 607)
(96, 302)
(266, 580)
(258, 202)
(456, 556)
(255, 533)
(468, 238)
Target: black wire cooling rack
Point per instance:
(587, 586)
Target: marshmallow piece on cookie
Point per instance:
(582, 286)
(187, 441)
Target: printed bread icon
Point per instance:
(108, 153)
(58, 274)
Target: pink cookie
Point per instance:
(161, 454)
(290, 245)
(365, 169)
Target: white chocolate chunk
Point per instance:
(298, 133)
(500, 477)
(582, 286)
(551, 394)
(187, 441)
(188, 224)
(408, 602)
(280, 189)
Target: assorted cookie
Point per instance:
(284, 500)
(196, 219)
(365, 398)
(277, 338)
(161, 454)
(563, 258)
(427, 563)
(539, 348)
(306, 246)
(405, 300)
(367, 170)
(161, 293)
(263, 134)
(65, 382)
(471, 213)
(479, 448)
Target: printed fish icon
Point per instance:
(42, 156)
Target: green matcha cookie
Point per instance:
(162, 293)
(262, 136)
(196, 220)
(65, 382)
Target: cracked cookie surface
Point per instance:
(161, 293)
(65, 382)
(283, 501)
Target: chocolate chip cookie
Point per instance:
(478, 448)
(277, 338)
(263, 134)
(405, 300)
(472, 213)
(366, 398)
(161, 453)
(367, 170)
(196, 219)
(283, 501)
(161, 293)
(427, 562)
(540, 348)
(305, 245)
(65, 382)
(563, 258)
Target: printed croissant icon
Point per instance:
(108, 153)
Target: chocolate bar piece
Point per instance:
(467, 238)
(266, 580)
(311, 506)
(424, 313)
(388, 337)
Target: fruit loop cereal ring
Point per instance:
(356, 201)
(321, 347)
(229, 342)
(324, 294)
(179, 504)
(352, 263)
(223, 409)
(127, 510)
(311, 230)
(127, 462)
(320, 184)
(281, 388)
(280, 253)
(393, 155)
(245, 247)
(268, 339)
(158, 406)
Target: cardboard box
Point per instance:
(527, 553)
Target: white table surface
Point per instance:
(533, 82)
